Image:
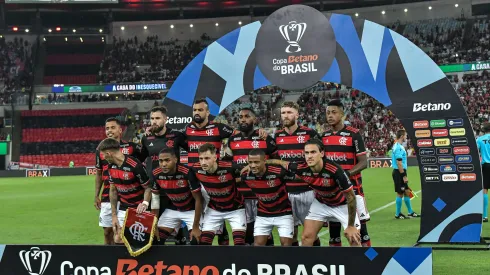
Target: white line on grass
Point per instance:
(372, 212)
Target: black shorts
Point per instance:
(398, 181)
(485, 168)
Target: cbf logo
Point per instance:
(138, 231)
(301, 139)
(35, 255)
(300, 28)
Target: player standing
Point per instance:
(267, 182)
(184, 191)
(399, 174)
(129, 182)
(240, 145)
(290, 147)
(225, 202)
(483, 144)
(112, 130)
(344, 146)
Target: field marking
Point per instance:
(323, 233)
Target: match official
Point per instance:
(483, 144)
(399, 174)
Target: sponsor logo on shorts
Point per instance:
(450, 177)
(432, 178)
(463, 159)
(422, 133)
(420, 124)
(438, 123)
(467, 177)
(430, 169)
(439, 132)
(462, 150)
(427, 152)
(441, 142)
(459, 141)
(448, 168)
(444, 151)
(446, 159)
(457, 122)
(466, 168)
(428, 160)
(457, 132)
(424, 142)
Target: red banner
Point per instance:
(138, 231)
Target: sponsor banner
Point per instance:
(420, 124)
(462, 150)
(438, 123)
(430, 169)
(464, 168)
(432, 178)
(424, 143)
(463, 159)
(458, 122)
(422, 133)
(441, 142)
(450, 177)
(429, 107)
(61, 88)
(445, 159)
(457, 132)
(439, 132)
(37, 173)
(386, 162)
(91, 171)
(467, 177)
(459, 141)
(427, 152)
(444, 151)
(448, 168)
(428, 160)
(456, 68)
(213, 260)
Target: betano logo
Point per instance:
(179, 120)
(420, 124)
(441, 142)
(132, 267)
(457, 132)
(468, 177)
(424, 143)
(439, 132)
(422, 133)
(462, 150)
(450, 177)
(417, 107)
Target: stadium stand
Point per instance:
(54, 138)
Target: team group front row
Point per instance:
(296, 178)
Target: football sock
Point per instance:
(365, 239)
(335, 239)
(485, 205)
(239, 238)
(249, 236)
(398, 206)
(207, 237)
(408, 204)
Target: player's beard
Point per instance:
(198, 119)
(288, 123)
(156, 128)
(246, 128)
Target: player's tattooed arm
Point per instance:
(351, 206)
(113, 200)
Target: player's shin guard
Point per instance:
(207, 237)
(224, 238)
(270, 240)
(317, 242)
(408, 204)
(365, 239)
(335, 239)
(239, 238)
(249, 236)
(163, 236)
(485, 205)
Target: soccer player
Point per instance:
(129, 182)
(399, 174)
(267, 182)
(240, 144)
(161, 137)
(334, 196)
(112, 130)
(483, 144)
(225, 202)
(290, 147)
(184, 191)
(344, 146)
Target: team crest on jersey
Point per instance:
(271, 183)
(325, 182)
(301, 139)
(343, 141)
(170, 143)
(210, 132)
(180, 183)
(255, 144)
(222, 178)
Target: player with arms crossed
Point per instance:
(290, 147)
(267, 181)
(334, 195)
(239, 146)
(112, 130)
(128, 181)
(225, 202)
(483, 144)
(184, 191)
(399, 174)
(344, 146)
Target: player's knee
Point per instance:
(307, 238)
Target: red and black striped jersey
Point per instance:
(343, 147)
(270, 190)
(152, 145)
(130, 180)
(177, 186)
(221, 186)
(213, 133)
(127, 148)
(291, 147)
(240, 145)
(329, 185)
